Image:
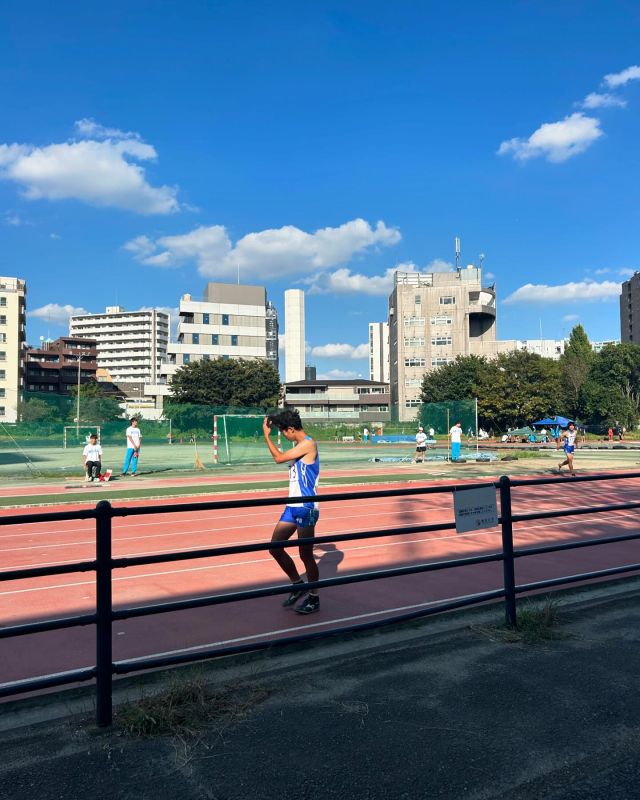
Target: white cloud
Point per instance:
(13, 220)
(555, 141)
(585, 291)
(602, 100)
(267, 254)
(55, 236)
(570, 317)
(340, 351)
(621, 78)
(626, 272)
(489, 276)
(104, 173)
(91, 129)
(56, 314)
(603, 271)
(344, 281)
(339, 374)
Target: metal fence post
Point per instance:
(508, 566)
(104, 656)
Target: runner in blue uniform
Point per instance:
(304, 472)
(570, 436)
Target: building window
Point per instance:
(206, 357)
(440, 340)
(234, 341)
(413, 382)
(3, 320)
(412, 403)
(418, 299)
(414, 341)
(195, 338)
(3, 337)
(448, 300)
(408, 321)
(414, 362)
(3, 355)
(186, 358)
(2, 411)
(214, 338)
(3, 374)
(225, 319)
(205, 319)
(2, 392)
(441, 362)
(3, 302)
(225, 358)
(441, 320)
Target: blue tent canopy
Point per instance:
(561, 421)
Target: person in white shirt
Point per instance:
(421, 445)
(456, 438)
(134, 440)
(92, 454)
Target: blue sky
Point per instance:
(148, 147)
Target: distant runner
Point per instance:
(570, 445)
(456, 439)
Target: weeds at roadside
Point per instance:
(185, 708)
(536, 624)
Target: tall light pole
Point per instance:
(78, 399)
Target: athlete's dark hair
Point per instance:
(289, 418)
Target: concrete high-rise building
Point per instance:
(434, 317)
(630, 310)
(13, 293)
(131, 345)
(379, 351)
(294, 335)
(232, 321)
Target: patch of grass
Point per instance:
(536, 624)
(185, 708)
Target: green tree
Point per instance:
(576, 363)
(238, 383)
(456, 381)
(37, 410)
(96, 405)
(611, 393)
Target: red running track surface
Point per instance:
(23, 546)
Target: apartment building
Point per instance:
(131, 345)
(232, 321)
(434, 317)
(630, 309)
(379, 351)
(13, 305)
(356, 400)
(60, 365)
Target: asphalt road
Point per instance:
(443, 709)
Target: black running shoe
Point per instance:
(293, 598)
(310, 604)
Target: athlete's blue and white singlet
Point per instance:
(303, 482)
(570, 441)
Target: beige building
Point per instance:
(13, 293)
(355, 400)
(294, 355)
(434, 317)
(379, 351)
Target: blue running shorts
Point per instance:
(569, 448)
(300, 516)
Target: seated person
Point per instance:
(92, 458)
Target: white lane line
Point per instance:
(573, 521)
(281, 631)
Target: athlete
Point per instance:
(456, 439)
(92, 455)
(421, 447)
(304, 471)
(570, 437)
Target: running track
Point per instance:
(23, 546)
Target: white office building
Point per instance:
(232, 321)
(379, 351)
(131, 345)
(13, 293)
(294, 335)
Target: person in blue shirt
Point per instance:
(304, 473)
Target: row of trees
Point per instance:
(519, 387)
(96, 406)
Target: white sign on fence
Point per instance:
(475, 508)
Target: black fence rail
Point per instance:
(104, 564)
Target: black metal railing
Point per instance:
(104, 564)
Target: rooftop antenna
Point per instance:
(457, 254)
(481, 258)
